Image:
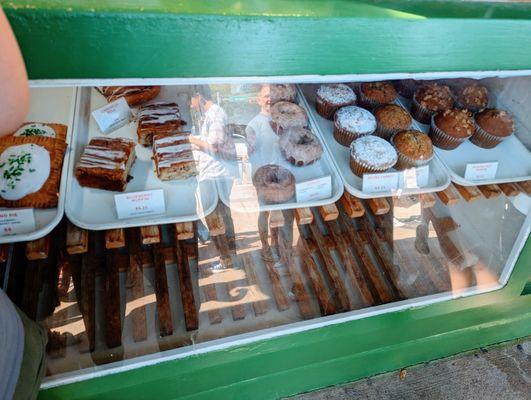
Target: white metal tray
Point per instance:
(514, 159)
(239, 194)
(438, 177)
(186, 200)
(50, 105)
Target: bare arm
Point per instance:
(14, 101)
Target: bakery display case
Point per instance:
(264, 227)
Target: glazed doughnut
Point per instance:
(274, 184)
(300, 146)
(286, 115)
(283, 93)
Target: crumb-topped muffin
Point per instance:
(352, 122)
(374, 94)
(414, 149)
(473, 97)
(370, 154)
(391, 119)
(429, 100)
(450, 128)
(332, 97)
(492, 127)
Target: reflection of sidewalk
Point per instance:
(499, 372)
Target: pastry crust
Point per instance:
(134, 95)
(27, 129)
(48, 194)
(156, 119)
(105, 163)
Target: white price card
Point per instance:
(140, 204)
(17, 221)
(481, 171)
(314, 189)
(414, 178)
(380, 182)
(113, 115)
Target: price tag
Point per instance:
(481, 171)
(382, 182)
(17, 221)
(414, 178)
(139, 204)
(113, 115)
(314, 189)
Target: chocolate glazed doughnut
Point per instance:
(274, 184)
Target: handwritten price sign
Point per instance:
(139, 204)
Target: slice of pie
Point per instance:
(105, 163)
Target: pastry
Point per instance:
(473, 97)
(173, 157)
(429, 100)
(331, 97)
(286, 92)
(374, 94)
(414, 149)
(30, 171)
(492, 127)
(134, 95)
(391, 119)
(352, 122)
(407, 87)
(274, 184)
(105, 163)
(450, 128)
(286, 115)
(300, 146)
(56, 131)
(369, 154)
(158, 118)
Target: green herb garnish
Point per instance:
(15, 169)
(33, 132)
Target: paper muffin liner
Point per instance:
(441, 139)
(325, 109)
(386, 133)
(482, 138)
(405, 162)
(366, 102)
(345, 137)
(419, 113)
(359, 167)
(406, 88)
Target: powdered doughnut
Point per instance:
(286, 115)
(300, 146)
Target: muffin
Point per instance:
(473, 97)
(450, 128)
(332, 97)
(406, 87)
(429, 100)
(414, 149)
(374, 94)
(351, 122)
(492, 127)
(391, 119)
(370, 154)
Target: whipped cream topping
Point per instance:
(35, 129)
(355, 119)
(23, 170)
(374, 151)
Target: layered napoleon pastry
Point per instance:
(173, 157)
(105, 163)
(158, 118)
(30, 171)
(134, 95)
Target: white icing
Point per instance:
(355, 119)
(336, 93)
(159, 113)
(30, 130)
(23, 170)
(373, 151)
(172, 150)
(100, 156)
(301, 144)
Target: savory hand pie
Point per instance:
(173, 157)
(158, 118)
(28, 129)
(105, 163)
(134, 95)
(30, 171)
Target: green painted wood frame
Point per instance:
(84, 39)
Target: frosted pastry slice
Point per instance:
(105, 163)
(134, 95)
(158, 118)
(173, 157)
